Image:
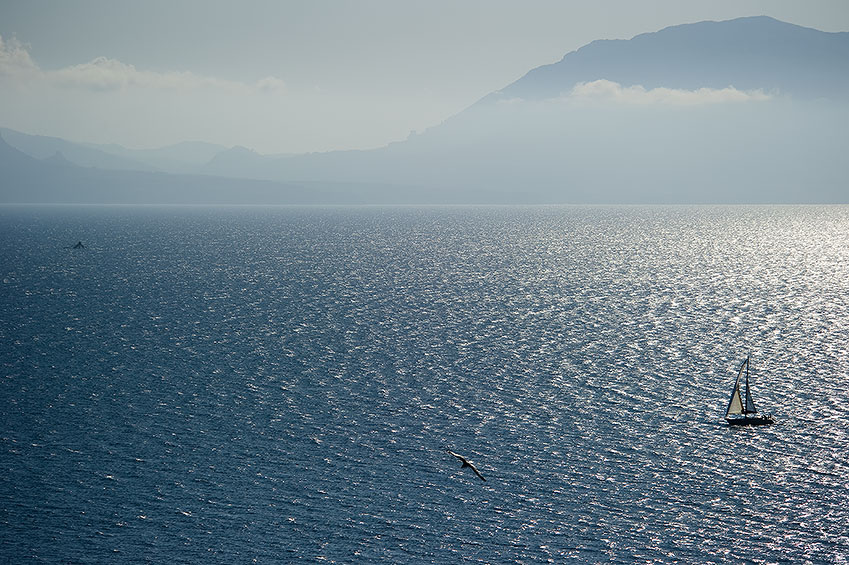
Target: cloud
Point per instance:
(272, 85)
(15, 59)
(609, 91)
(105, 74)
(110, 74)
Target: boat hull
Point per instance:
(750, 421)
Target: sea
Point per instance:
(283, 384)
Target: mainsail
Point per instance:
(750, 405)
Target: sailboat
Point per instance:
(741, 409)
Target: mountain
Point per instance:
(42, 147)
(12, 159)
(189, 157)
(185, 157)
(237, 161)
(751, 110)
(748, 110)
(58, 159)
(27, 179)
(55, 180)
(746, 53)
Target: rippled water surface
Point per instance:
(273, 385)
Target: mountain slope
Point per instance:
(42, 147)
(187, 157)
(26, 180)
(746, 53)
(528, 143)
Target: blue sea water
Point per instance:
(273, 385)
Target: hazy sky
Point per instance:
(282, 76)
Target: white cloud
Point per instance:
(509, 101)
(271, 85)
(110, 74)
(609, 91)
(15, 59)
(105, 74)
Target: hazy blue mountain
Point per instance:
(747, 53)
(527, 143)
(184, 157)
(783, 139)
(27, 180)
(237, 161)
(12, 159)
(42, 147)
(771, 152)
(58, 159)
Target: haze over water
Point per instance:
(279, 384)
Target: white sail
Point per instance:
(735, 404)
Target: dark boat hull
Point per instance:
(750, 421)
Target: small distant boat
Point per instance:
(741, 408)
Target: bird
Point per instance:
(466, 464)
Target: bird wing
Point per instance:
(477, 472)
(466, 464)
(457, 455)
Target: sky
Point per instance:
(280, 76)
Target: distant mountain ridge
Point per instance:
(42, 147)
(747, 53)
(55, 180)
(184, 157)
(528, 144)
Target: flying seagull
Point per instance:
(466, 464)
